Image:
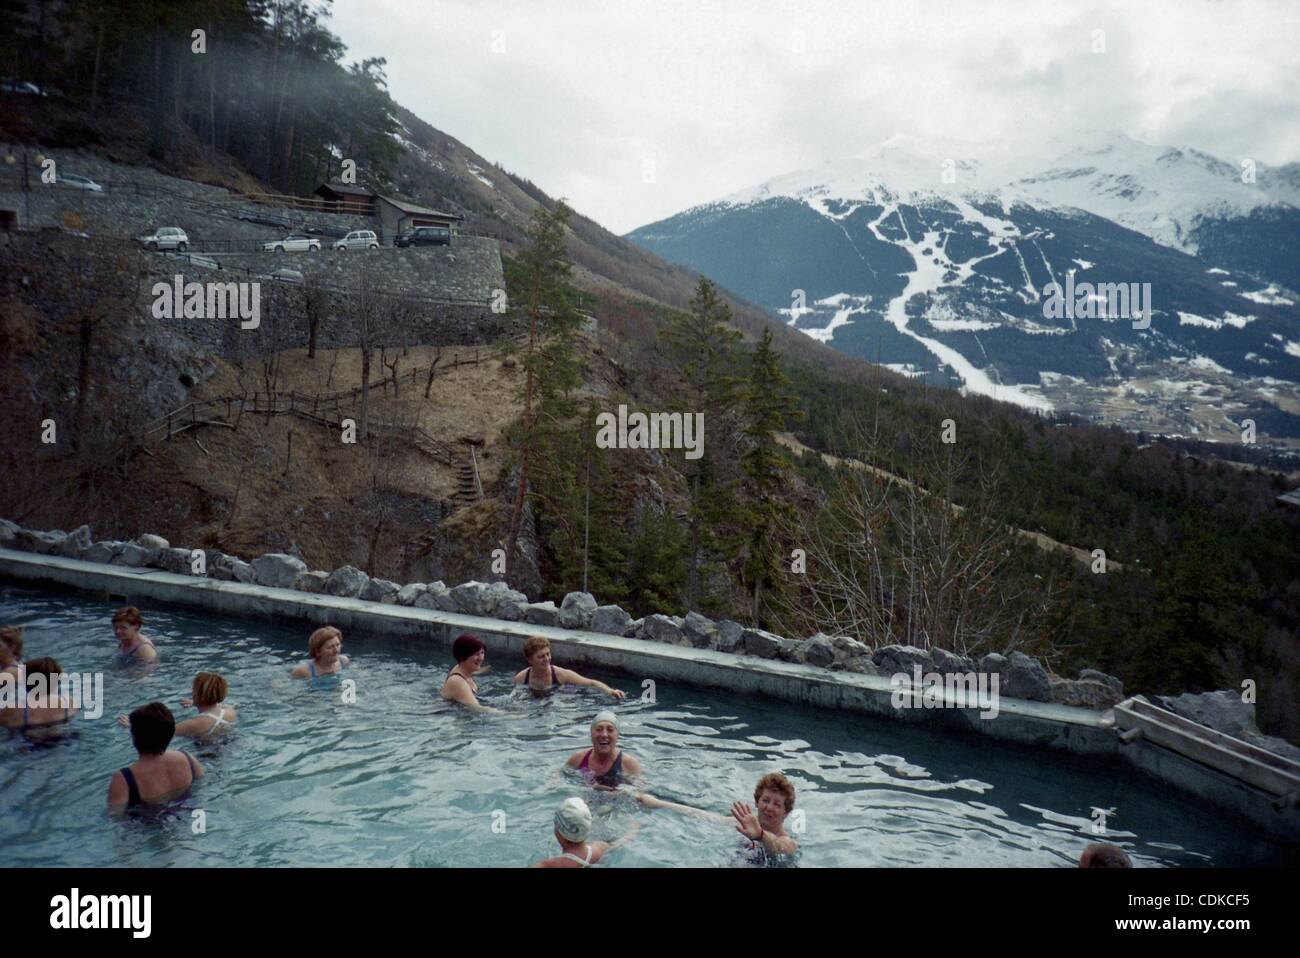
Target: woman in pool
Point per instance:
(11, 654)
(327, 663)
(459, 685)
(542, 676)
(43, 705)
(157, 776)
(215, 717)
(764, 828)
(572, 825)
(604, 765)
(132, 647)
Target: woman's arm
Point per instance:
(192, 727)
(299, 671)
(118, 793)
(648, 800)
(570, 677)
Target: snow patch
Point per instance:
(1269, 296)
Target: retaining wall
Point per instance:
(1076, 730)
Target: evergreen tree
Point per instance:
(769, 405)
(702, 343)
(552, 370)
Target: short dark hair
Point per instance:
(152, 728)
(47, 666)
(466, 646)
(1104, 855)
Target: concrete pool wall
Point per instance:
(1076, 730)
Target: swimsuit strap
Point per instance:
(311, 667)
(584, 862)
(218, 719)
(133, 790)
(554, 679)
(459, 676)
(194, 769)
(528, 675)
(585, 757)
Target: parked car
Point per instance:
(284, 275)
(359, 239)
(79, 182)
(424, 236)
(296, 243)
(22, 86)
(168, 237)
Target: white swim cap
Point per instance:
(605, 716)
(573, 819)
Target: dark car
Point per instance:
(424, 236)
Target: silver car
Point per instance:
(78, 182)
(359, 239)
(297, 243)
(168, 237)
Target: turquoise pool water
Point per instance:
(401, 779)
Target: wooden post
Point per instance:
(288, 456)
(169, 425)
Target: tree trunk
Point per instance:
(365, 390)
(517, 513)
(94, 76)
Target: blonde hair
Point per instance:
(209, 689)
(535, 644)
(320, 637)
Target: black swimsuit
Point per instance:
(555, 681)
(133, 790)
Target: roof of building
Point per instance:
(347, 189)
(1291, 498)
(417, 210)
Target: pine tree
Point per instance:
(702, 342)
(769, 405)
(550, 361)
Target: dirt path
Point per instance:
(1039, 539)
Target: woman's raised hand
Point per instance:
(746, 821)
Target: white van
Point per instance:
(359, 239)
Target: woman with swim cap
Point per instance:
(158, 775)
(132, 647)
(572, 825)
(459, 685)
(541, 676)
(327, 664)
(764, 828)
(604, 765)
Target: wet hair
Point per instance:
(12, 636)
(47, 666)
(535, 644)
(320, 637)
(152, 728)
(209, 689)
(466, 646)
(130, 615)
(1104, 855)
(776, 782)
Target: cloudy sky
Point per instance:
(637, 109)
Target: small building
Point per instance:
(347, 198)
(1291, 499)
(399, 216)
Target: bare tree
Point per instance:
(893, 560)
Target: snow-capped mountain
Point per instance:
(1145, 285)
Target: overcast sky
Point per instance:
(637, 110)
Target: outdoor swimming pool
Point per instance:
(400, 778)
